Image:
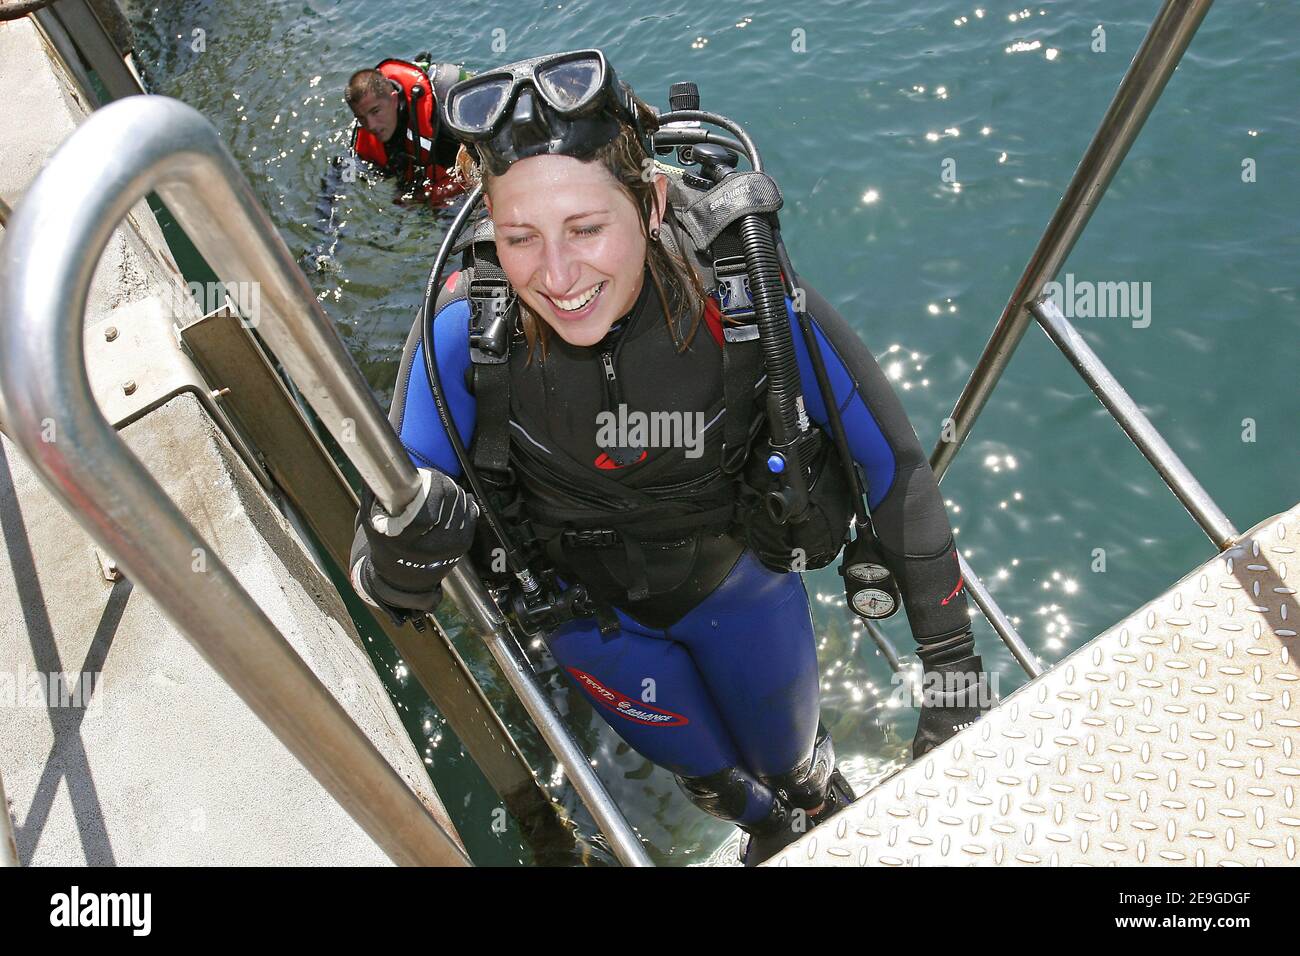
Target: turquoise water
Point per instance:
(857, 128)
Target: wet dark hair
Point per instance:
(364, 83)
(678, 285)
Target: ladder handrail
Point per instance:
(1145, 80)
(1189, 492)
(49, 252)
(1152, 66)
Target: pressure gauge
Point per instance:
(866, 573)
(874, 603)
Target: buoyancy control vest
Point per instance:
(628, 464)
(418, 135)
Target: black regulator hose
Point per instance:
(514, 560)
(838, 435)
(668, 136)
(788, 424)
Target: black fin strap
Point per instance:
(946, 649)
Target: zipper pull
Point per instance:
(619, 454)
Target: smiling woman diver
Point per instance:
(581, 306)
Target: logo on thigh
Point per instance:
(625, 706)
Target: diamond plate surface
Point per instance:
(1169, 740)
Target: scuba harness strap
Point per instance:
(490, 338)
(742, 365)
(413, 125)
(738, 338)
(715, 219)
(813, 539)
(742, 353)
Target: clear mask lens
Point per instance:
(572, 84)
(478, 108)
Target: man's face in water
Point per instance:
(378, 114)
(570, 242)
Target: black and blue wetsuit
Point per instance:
(716, 682)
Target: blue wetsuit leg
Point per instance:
(680, 728)
(753, 642)
(735, 681)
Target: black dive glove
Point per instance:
(398, 562)
(954, 695)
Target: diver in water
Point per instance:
(398, 131)
(623, 419)
(398, 127)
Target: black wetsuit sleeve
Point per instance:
(907, 510)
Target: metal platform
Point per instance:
(1168, 740)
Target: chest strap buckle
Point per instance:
(492, 303)
(732, 278)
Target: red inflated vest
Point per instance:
(416, 88)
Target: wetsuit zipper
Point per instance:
(614, 397)
(608, 358)
(612, 390)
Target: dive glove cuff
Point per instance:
(954, 696)
(399, 561)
